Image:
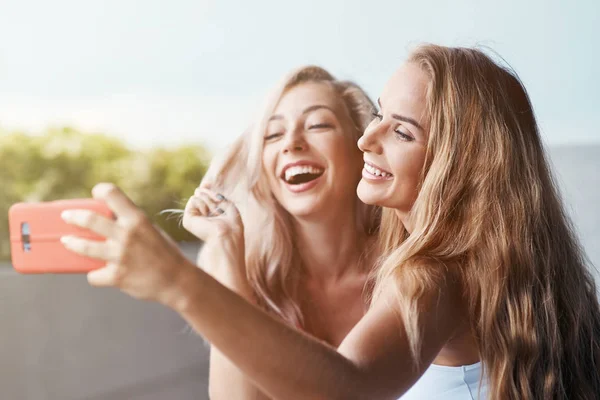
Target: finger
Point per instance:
(203, 228)
(94, 222)
(103, 277)
(194, 207)
(213, 200)
(226, 206)
(217, 211)
(214, 196)
(88, 248)
(116, 200)
(198, 206)
(205, 195)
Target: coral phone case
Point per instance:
(35, 231)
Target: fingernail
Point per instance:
(65, 239)
(66, 215)
(220, 197)
(219, 211)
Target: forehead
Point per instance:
(405, 92)
(296, 99)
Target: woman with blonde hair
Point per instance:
(307, 236)
(480, 262)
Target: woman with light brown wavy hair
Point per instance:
(479, 260)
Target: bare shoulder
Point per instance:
(382, 342)
(431, 281)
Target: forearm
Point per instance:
(284, 363)
(227, 382)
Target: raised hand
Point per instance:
(215, 220)
(141, 260)
(209, 215)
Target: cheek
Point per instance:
(348, 172)
(268, 161)
(269, 168)
(344, 155)
(407, 170)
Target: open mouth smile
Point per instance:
(301, 176)
(374, 173)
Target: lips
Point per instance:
(302, 187)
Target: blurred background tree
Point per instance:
(65, 164)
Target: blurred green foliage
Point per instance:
(66, 164)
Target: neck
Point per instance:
(404, 217)
(329, 245)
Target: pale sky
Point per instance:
(172, 72)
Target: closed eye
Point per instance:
(400, 134)
(273, 136)
(320, 126)
(404, 136)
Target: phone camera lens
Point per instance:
(25, 237)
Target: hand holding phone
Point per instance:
(35, 232)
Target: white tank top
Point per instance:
(449, 383)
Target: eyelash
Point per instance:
(404, 136)
(401, 135)
(319, 126)
(272, 136)
(316, 126)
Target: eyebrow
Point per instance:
(403, 118)
(306, 111)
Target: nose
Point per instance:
(294, 142)
(370, 141)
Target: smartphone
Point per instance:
(35, 232)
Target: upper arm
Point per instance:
(379, 346)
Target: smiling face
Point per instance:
(395, 143)
(310, 162)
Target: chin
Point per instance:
(367, 195)
(301, 207)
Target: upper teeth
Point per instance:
(376, 172)
(301, 169)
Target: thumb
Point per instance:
(201, 227)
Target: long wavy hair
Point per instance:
(273, 263)
(489, 212)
